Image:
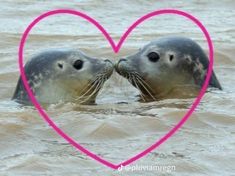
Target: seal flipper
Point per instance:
(20, 94)
(214, 81)
(18, 88)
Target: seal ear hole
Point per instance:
(171, 57)
(78, 64)
(60, 65)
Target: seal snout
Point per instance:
(109, 63)
(120, 64)
(123, 67)
(109, 67)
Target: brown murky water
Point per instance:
(204, 146)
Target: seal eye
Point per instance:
(153, 57)
(78, 64)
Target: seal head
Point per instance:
(170, 67)
(63, 76)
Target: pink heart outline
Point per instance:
(116, 48)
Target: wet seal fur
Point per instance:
(63, 76)
(170, 67)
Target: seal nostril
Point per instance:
(107, 60)
(122, 60)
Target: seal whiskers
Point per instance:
(133, 78)
(93, 90)
(140, 84)
(145, 86)
(94, 86)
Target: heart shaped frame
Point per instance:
(116, 48)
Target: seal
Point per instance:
(170, 67)
(63, 76)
